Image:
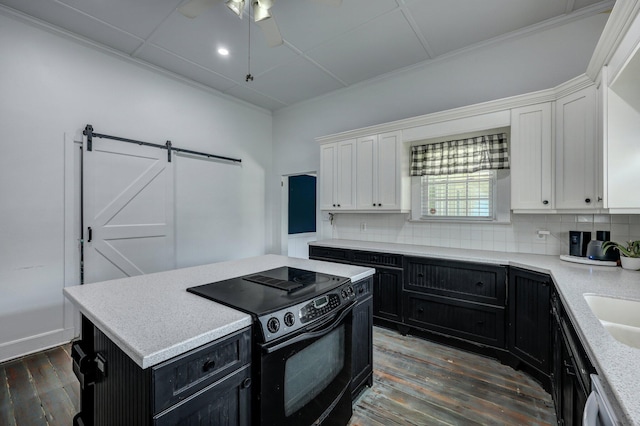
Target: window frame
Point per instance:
(493, 179)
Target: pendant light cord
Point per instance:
(249, 77)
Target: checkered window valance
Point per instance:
(488, 152)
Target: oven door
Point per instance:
(306, 378)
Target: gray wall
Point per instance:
(51, 86)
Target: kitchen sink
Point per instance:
(621, 317)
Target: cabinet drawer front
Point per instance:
(383, 259)
(362, 288)
(463, 280)
(322, 253)
(181, 377)
(225, 403)
(470, 321)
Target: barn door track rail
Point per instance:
(90, 134)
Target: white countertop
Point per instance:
(152, 317)
(617, 363)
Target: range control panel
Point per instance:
(293, 318)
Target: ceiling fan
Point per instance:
(261, 14)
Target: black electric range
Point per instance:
(283, 300)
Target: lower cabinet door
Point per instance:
(362, 345)
(470, 321)
(224, 403)
(387, 294)
(530, 318)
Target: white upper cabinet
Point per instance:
(622, 123)
(338, 175)
(577, 159)
(378, 173)
(531, 158)
(366, 174)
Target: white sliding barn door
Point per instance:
(128, 210)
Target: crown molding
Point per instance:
(622, 16)
(548, 95)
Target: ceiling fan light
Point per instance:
(260, 13)
(237, 6)
(267, 4)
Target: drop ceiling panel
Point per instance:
(454, 24)
(161, 58)
(242, 91)
(371, 50)
(295, 81)
(198, 40)
(139, 17)
(76, 22)
(308, 23)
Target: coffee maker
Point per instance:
(578, 242)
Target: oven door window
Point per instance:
(310, 371)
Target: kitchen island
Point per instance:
(146, 323)
(617, 364)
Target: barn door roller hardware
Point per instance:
(90, 134)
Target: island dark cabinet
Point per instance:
(530, 321)
(210, 385)
(362, 338)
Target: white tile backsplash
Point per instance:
(520, 236)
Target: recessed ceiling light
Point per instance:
(222, 51)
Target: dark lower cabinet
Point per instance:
(515, 312)
(469, 321)
(571, 369)
(387, 294)
(362, 341)
(457, 299)
(210, 385)
(530, 321)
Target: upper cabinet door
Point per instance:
(576, 151)
(328, 175)
(389, 177)
(366, 172)
(338, 175)
(531, 158)
(346, 177)
(378, 172)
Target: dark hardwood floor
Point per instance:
(40, 389)
(416, 382)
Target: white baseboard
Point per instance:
(29, 345)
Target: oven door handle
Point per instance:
(312, 334)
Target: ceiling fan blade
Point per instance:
(271, 31)
(335, 3)
(193, 8)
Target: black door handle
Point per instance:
(90, 231)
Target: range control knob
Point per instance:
(344, 294)
(273, 325)
(289, 319)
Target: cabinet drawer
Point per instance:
(327, 253)
(382, 259)
(177, 379)
(470, 321)
(462, 280)
(362, 288)
(225, 403)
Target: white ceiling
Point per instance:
(325, 48)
